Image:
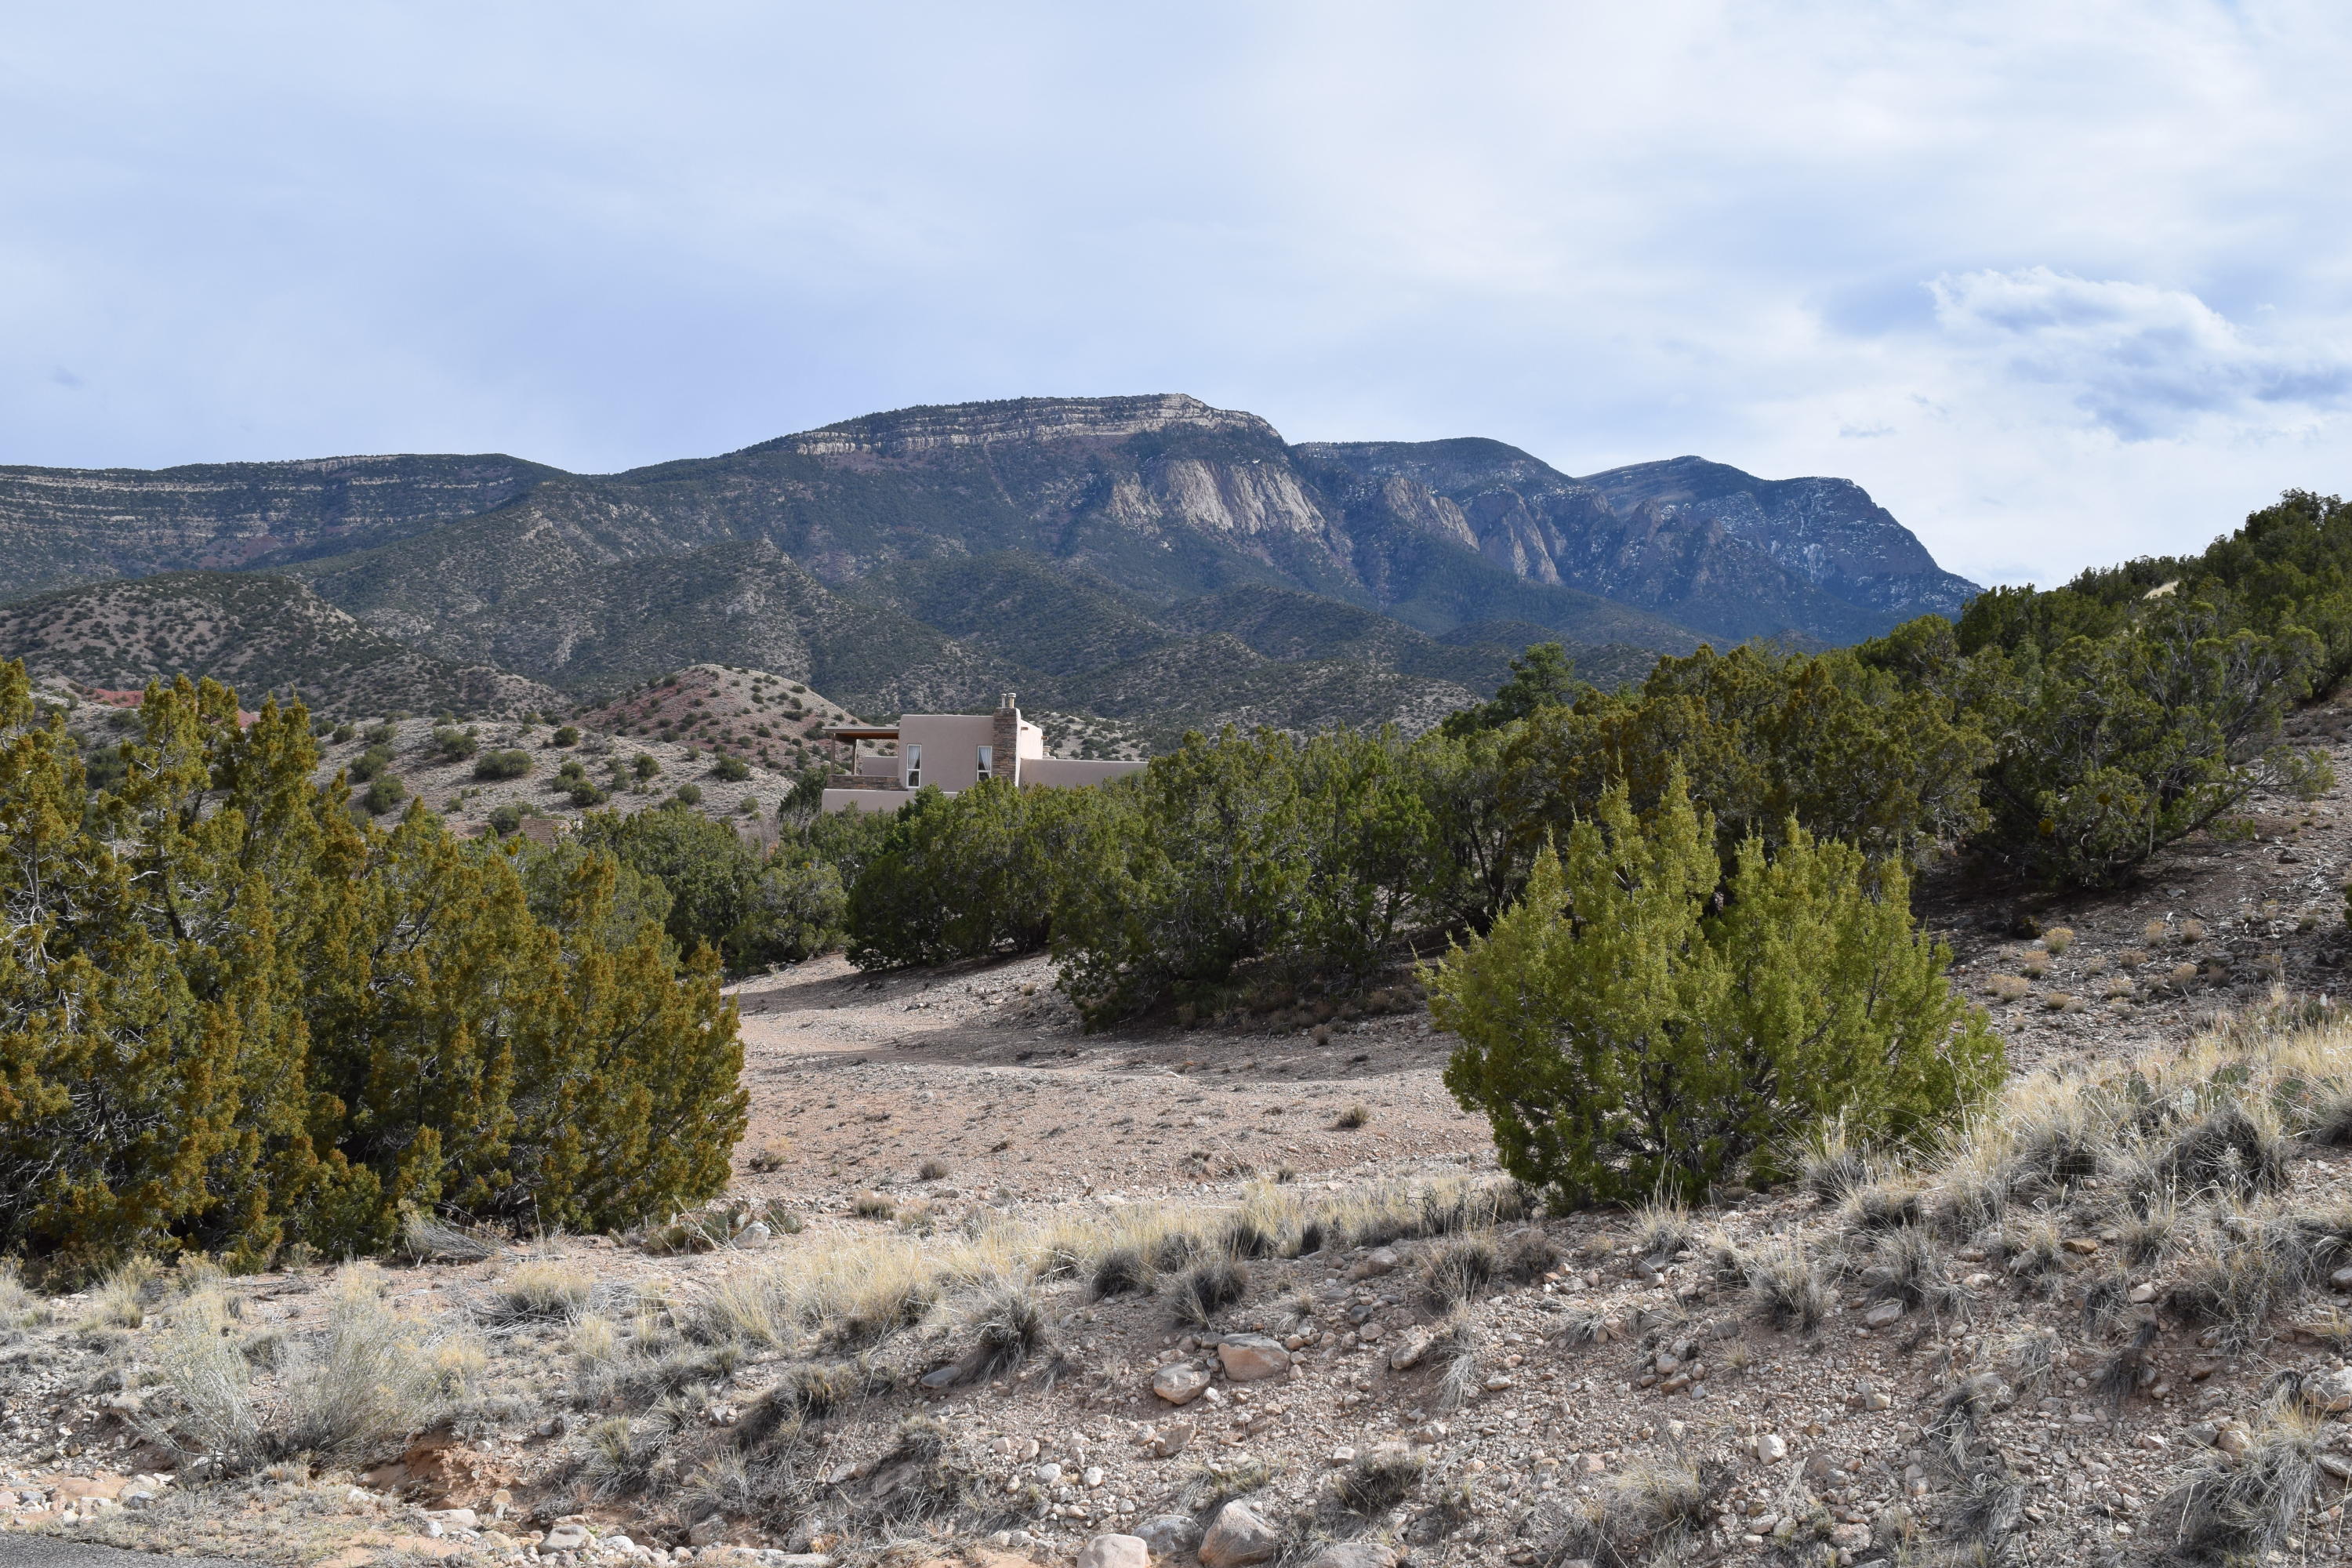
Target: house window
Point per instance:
(987, 761)
(914, 774)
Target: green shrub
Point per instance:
(385, 793)
(688, 795)
(248, 1020)
(1302, 857)
(1626, 1039)
(733, 769)
(383, 735)
(370, 763)
(453, 745)
(565, 735)
(643, 765)
(965, 876)
(506, 819)
(754, 911)
(343, 733)
(510, 763)
(2112, 748)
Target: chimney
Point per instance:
(1005, 738)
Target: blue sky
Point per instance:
(2059, 283)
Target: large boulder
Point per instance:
(1247, 1358)
(1168, 1533)
(1181, 1384)
(1238, 1537)
(1353, 1555)
(1115, 1552)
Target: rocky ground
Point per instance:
(896, 1348)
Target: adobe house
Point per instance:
(952, 751)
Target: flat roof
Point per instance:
(863, 733)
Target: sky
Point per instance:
(2060, 283)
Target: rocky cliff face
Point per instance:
(59, 526)
(1828, 531)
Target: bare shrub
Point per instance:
(425, 1239)
(210, 1410)
(366, 1384)
(932, 1170)
(1353, 1117)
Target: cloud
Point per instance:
(1799, 236)
(2142, 361)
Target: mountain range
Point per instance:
(1145, 558)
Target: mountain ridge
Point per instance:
(930, 554)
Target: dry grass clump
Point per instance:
(1458, 1271)
(2036, 966)
(769, 1157)
(2007, 987)
(1662, 1227)
(1122, 1271)
(1886, 1205)
(1787, 1289)
(19, 1307)
(1005, 1320)
(124, 1296)
(1379, 1481)
(932, 1170)
(1832, 1162)
(1207, 1288)
(2057, 940)
(873, 1205)
(2130, 957)
(2243, 1510)
(1908, 1266)
(1530, 1255)
(539, 1290)
(358, 1389)
(1646, 1514)
(1353, 1117)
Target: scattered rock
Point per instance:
(2080, 1246)
(1250, 1357)
(565, 1538)
(1409, 1351)
(1770, 1447)
(1378, 1261)
(1181, 1384)
(1883, 1314)
(2232, 1440)
(1239, 1536)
